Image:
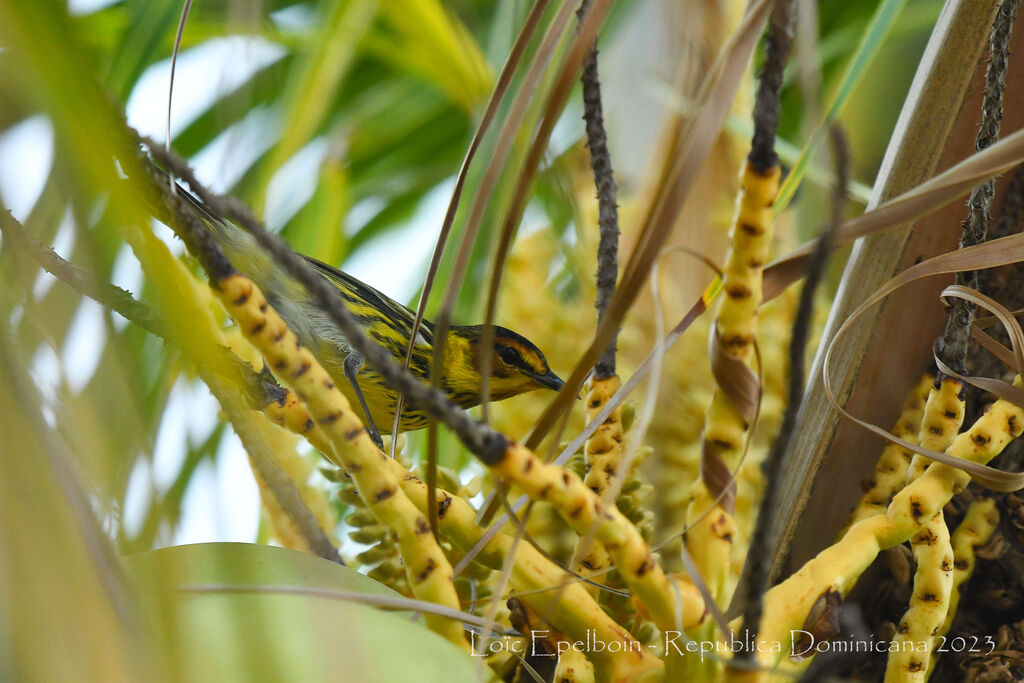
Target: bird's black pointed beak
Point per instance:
(549, 380)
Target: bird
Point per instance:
(517, 365)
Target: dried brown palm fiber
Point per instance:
(1003, 250)
(951, 346)
(1000, 284)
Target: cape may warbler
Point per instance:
(517, 365)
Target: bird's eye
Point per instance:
(508, 355)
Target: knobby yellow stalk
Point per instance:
(710, 537)
(283, 446)
(942, 419)
(573, 667)
(603, 454)
(543, 585)
(837, 568)
(891, 471)
(603, 451)
(186, 299)
(671, 604)
(207, 315)
(298, 468)
(428, 570)
(974, 531)
(382, 558)
(933, 579)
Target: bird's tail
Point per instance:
(285, 294)
(240, 248)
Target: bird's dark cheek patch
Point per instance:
(499, 369)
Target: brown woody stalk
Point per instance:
(603, 451)
(951, 347)
(607, 191)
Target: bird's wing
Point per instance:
(356, 291)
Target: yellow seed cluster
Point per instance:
(838, 567)
(298, 468)
(603, 453)
(570, 608)
(891, 470)
(942, 419)
(933, 579)
(586, 514)
(709, 540)
(974, 531)
(427, 568)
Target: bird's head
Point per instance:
(516, 364)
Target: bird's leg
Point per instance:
(353, 361)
